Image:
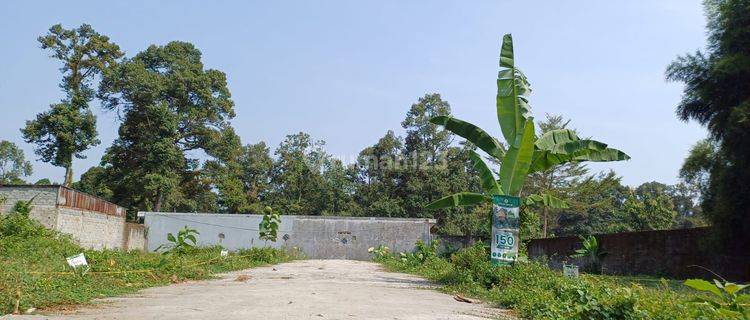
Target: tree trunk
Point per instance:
(544, 218)
(157, 206)
(68, 175)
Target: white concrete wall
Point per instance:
(321, 237)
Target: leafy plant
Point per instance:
(423, 253)
(725, 297)
(592, 251)
(269, 226)
(24, 207)
(380, 252)
(185, 240)
(526, 152)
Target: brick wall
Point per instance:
(669, 253)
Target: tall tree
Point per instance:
(256, 164)
(297, 180)
(69, 127)
(172, 108)
(424, 175)
(716, 96)
(13, 164)
(559, 181)
(378, 177)
(225, 171)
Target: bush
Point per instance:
(32, 263)
(536, 292)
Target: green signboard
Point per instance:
(505, 219)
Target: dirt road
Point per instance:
(307, 289)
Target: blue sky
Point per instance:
(347, 71)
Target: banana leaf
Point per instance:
(545, 159)
(512, 91)
(547, 200)
(474, 134)
(554, 137)
(459, 199)
(487, 179)
(515, 165)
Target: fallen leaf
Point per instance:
(461, 298)
(242, 278)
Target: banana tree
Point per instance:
(526, 152)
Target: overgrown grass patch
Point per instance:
(34, 272)
(534, 291)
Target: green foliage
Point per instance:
(380, 252)
(269, 226)
(23, 207)
(423, 253)
(712, 98)
(591, 251)
(13, 164)
(649, 212)
(171, 107)
(69, 127)
(30, 259)
(533, 291)
(726, 299)
(95, 181)
(183, 243)
(526, 152)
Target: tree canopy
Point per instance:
(715, 95)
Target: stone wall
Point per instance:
(319, 237)
(668, 253)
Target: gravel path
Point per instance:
(306, 289)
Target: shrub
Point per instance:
(536, 292)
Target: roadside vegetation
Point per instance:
(34, 272)
(534, 291)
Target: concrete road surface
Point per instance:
(307, 289)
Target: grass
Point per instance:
(533, 291)
(34, 272)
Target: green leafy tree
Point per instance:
(297, 175)
(256, 165)
(377, 176)
(13, 164)
(95, 181)
(548, 186)
(69, 128)
(172, 107)
(43, 181)
(713, 98)
(649, 211)
(225, 172)
(526, 152)
(595, 206)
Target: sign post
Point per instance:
(505, 219)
